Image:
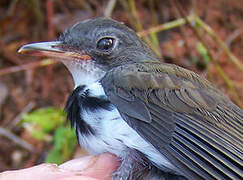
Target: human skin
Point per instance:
(86, 168)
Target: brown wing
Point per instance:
(182, 115)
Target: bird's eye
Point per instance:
(105, 43)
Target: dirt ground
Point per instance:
(23, 22)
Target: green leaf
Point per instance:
(203, 51)
(65, 143)
(43, 121)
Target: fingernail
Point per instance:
(79, 164)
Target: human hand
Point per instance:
(86, 168)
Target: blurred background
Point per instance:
(205, 36)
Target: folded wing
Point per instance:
(182, 115)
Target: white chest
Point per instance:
(113, 134)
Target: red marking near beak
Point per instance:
(85, 57)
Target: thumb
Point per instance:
(100, 167)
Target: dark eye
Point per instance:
(105, 43)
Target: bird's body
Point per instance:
(196, 120)
(161, 120)
(101, 128)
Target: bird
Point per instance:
(161, 120)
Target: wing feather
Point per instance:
(205, 153)
(191, 123)
(204, 140)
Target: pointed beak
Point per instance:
(54, 49)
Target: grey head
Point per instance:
(108, 42)
(105, 40)
(92, 47)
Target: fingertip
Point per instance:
(104, 167)
(78, 164)
(99, 167)
(108, 160)
(78, 178)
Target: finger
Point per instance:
(79, 164)
(100, 167)
(40, 172)
(78, 178)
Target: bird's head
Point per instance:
(92, 47)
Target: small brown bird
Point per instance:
(161, 120)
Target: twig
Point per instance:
(6, 55)
(233, 36)
(153, 36)
(229, 40)
(165, 26)
(213, 35)
(18, 118)
(183, 32)
(109, 8)
(35, 155)
(13, 69)
(12, 8)
(225, 78)
(3, 95)
(49, 9)
(49, 69)
(36, 9)
(221, 73)
(16, 139)
(138, 26)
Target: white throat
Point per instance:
(84, 72)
